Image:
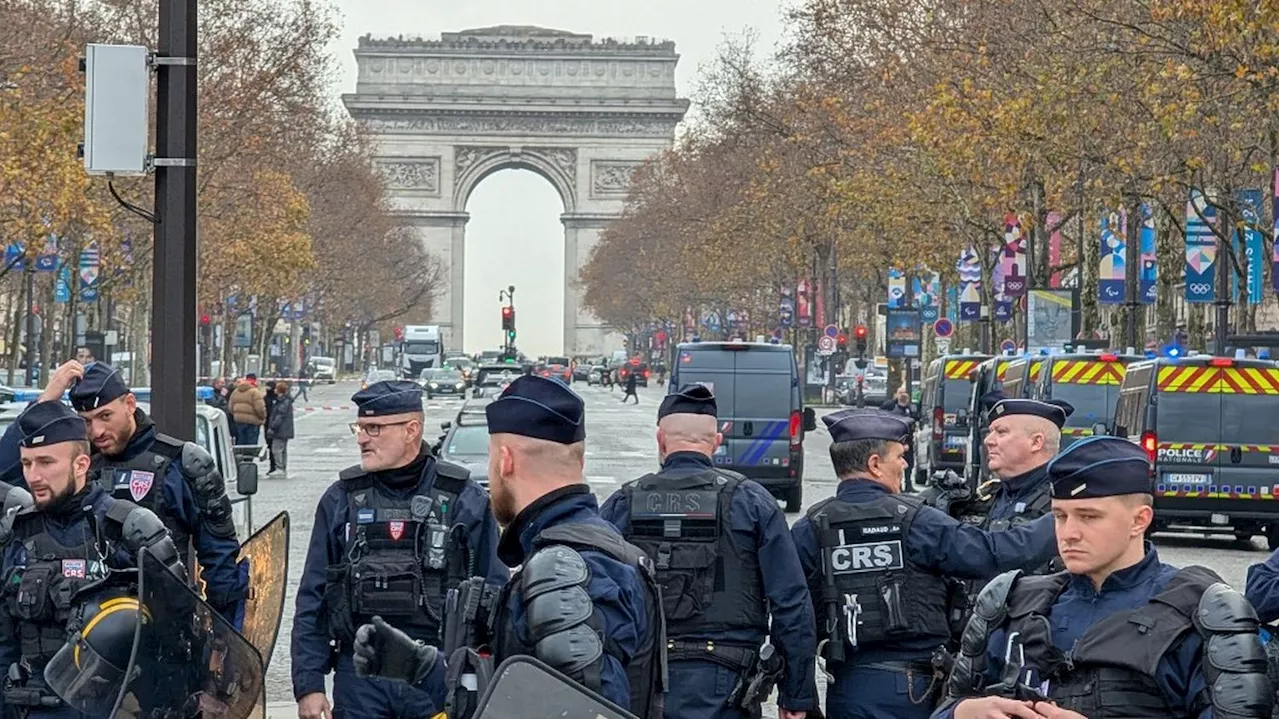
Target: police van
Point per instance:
(941, 434)
(1209, 425)
(1020, 376)
(1090, 383)
(760, 407)
(988, 376)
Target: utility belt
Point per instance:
(17, 694)
(758, 670)
(737, 658)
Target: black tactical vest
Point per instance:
(1109, 672)
(403, 555)
(141, 481)
(41, 594)
(873, 593)
(708, 583)
(647, 671)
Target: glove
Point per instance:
(381, 650)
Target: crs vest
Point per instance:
(872, 592)
(1109, 672)
(402, 556)
(647, 671)
(708, 583)
(140, 480)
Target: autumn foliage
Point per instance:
(898, 133)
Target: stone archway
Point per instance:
(447, 113)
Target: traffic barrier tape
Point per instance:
(1219, 380)
(960, 369)
(1088, 372)
(312, 380)
(324, 408)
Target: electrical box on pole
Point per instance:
(117, 84)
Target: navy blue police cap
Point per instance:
(850, 425)
(100, 384)
(387, 397)
(1054, 410)
(989, 400)
(537, 407)
(691, 399)
(1100, 467)
(50, 422)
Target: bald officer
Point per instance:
(728, 568)
(876, 560)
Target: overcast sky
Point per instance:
(514, 236)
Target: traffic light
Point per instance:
(511, 335)
(860, 338)
(842, 342)
(509, 320)
(398, 331)
(204, 320)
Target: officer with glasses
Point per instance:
(390, 538)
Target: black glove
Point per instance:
(381, 650)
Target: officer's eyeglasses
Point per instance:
(373, 430)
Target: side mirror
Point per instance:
(247, 478)
(1100, 429)
(810, 420)
(962, 418)
(445, 425)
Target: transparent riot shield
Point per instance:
(187, 660)
(525, 687)
(267, 553)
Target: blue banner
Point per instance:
(953, 303)
(47, 261)
(1251, 213)
(62, 285)
(969, 267)
(1201, 249)
(90, 266)
(13, 257)
(1111, 258)
(1148, 272)
(897, 288)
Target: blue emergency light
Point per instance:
(1171, 351)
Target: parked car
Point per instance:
(378, 375)
(324, 369)
(595, 374)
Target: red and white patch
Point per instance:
(396, 529)
(73, 568)
(140, 484)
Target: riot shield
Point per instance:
(522, 686)
(187, 660)
(267, 553)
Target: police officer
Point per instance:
(1262, 587)
(390, 538)
(726, 562)
(875, 561)
(1118, 634)
(178, 481)
(64, 547)
(584, 600)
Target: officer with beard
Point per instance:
(1119, 634)
(583, 601)
(391, 537)
(72, 543)
(877, 562)
(727, 565)
(178, 481)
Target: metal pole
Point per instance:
(31, 325)
(1222, 301)
(173, 297)
(1131, 300)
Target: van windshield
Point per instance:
(955, 395)
(421, 348)
(1090, 403)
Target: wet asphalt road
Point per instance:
(620, 447)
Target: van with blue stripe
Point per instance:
(760, 406)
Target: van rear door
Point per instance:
(713, 368)
(764, 395)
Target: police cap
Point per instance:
(100, 384)
(691, 399)
(50, 422)
(989, 400)
(1054, 410)
(388, 397)
(1100, 467)
(540, 408)
(850, 425)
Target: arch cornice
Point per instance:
(473, 163)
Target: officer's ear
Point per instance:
(719, 441)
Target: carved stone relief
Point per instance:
(417, 174)
(564, 159)
(522, 125)
(610, 177)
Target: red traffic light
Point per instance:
(506, 311)
(860, 331)
(842, 340)
(204, 320)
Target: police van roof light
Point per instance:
(1221, 362)
(1240, 354)
(1109, 356)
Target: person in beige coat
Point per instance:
(247, 406)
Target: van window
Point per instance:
(762, 394)
(1092, 403)
(955, 395)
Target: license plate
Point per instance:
(1187, 478)
(1217, 518)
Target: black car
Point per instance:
(493, 378)
(442, 381)
(466, 440)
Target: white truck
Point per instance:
(420, 349)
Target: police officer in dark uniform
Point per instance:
(726, 562)
(390, 538)
(1262, 587)
(178, 481)
(584, 600)
(70, 544)
(1118, 634)
(876, 562)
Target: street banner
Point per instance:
(953, 303)
(1147, 256)
(1201, 249)
(897, 288)
(13, 256)
(62, 285)
(90, 265)
(804, 310)
(1111, 258)
(786, 309)
(969, 267)
(1013, 259)
(1251, 213)
(924, 293)
(47, 261)
(1002, 311)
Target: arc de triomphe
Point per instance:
(447, 113)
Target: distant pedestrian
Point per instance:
(249, 408)
(631, 388)
(269, 401)
(304, 379)
(280, 429)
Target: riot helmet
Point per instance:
(89, 671)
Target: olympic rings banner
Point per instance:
(1201, 249)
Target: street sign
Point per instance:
(831, 331)
(1008, 346)
(943, 344)
(943, 327)
(826, 345)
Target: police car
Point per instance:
(1209, 425)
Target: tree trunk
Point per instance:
(47, 315)
(1169, 265)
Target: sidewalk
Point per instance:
(282, 710)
